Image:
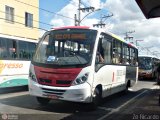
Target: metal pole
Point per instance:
(87, 15)
(79, 13)
(75, 18)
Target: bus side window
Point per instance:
(2, 52)
(13, 49)
(115, 55)
(104, 52)
(133, 56)
(117, 52)
(126, 55)
(100, 53)
(107, 45)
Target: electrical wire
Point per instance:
(24, 24)
(44, 9)
(24, 18)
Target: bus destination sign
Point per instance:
(70, 36)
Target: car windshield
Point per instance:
(145, 63)
(66, 47)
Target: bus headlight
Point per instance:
(148, 72)
(32, 76)
(81, 80)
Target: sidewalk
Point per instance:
(146, 107)
(150, 103)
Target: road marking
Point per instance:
(106, 109)
(117, 109)
(9, 95)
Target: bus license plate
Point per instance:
(52, 96)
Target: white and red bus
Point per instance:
(147, 66)
(67, 65)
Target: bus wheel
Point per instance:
(125, 91)
(97, 98)
(43, 101)
(158, 81)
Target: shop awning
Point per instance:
(150, 8)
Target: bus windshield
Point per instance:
(66, 47)
(145, 63)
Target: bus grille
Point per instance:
(53, 91)
(56, 83)
(63, 82)
(45, 80)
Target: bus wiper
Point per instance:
(74, 54)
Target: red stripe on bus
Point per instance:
(72, 27)
(58, 77)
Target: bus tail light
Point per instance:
(80, 80)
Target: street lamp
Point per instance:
(80, 20)
(102, 21)
(88, 14)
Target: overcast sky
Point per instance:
(127, 17)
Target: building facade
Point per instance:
(19, 33)
(19, 19)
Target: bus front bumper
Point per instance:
(77, 93)
(145, 75)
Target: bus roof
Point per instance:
(152, 56)
(71, 27)
(98, 29)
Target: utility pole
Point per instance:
(79, 12)
(127, 37)
(75, 18)
(88, 9)
(102, 24)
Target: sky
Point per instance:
(127, 17)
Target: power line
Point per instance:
(24, 24)
(44, 9)
(102, 23)
(24, 18)
(88, 9)
(127, 37)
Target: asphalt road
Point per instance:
(22, 106)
